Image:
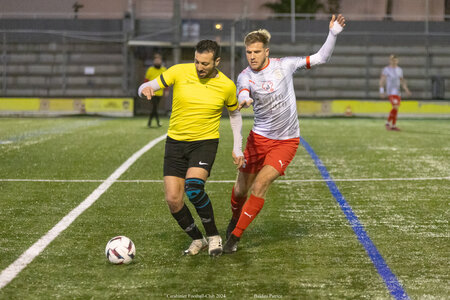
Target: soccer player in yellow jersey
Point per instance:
(200, 92)
(153, 72)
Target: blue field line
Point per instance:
(391, 281)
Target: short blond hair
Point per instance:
(260, 35)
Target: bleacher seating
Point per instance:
(354, 71)
(57, 70)
(34, 68)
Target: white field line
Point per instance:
(29, 255)
(230, 181)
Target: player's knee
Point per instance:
(259, 189)
(242, 185)
(174, 201)
(240, 190)
(195, 191)
(175, 206)
(173, 194)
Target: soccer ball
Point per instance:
(120, 250)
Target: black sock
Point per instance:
(206, 214)
(194, 188)
(186, 222)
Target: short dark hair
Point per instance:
(208, 46)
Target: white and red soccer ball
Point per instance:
(120, 250)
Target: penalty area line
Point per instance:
(8, 274)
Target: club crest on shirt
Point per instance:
(268, 86)
(278, 74)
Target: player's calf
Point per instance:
(194, 188)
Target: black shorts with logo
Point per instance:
(181, 155)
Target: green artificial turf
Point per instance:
(300, 246)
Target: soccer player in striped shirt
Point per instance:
(392, 77)
(200, 92)
(267, 84)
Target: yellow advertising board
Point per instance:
(125, 106)
(67, 106)
(110, 105)
(20, 104)
(372, 108)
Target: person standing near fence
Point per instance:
(391, 78)
(153, 72)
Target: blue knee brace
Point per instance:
(195, 191)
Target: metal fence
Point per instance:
(58, 57)
(422, 48)
(66, 38)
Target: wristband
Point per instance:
(381, 90)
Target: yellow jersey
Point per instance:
(197, 103)
(152, 73)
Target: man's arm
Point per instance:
(243, 95)
(381, 84)
(324, 54)
(236, 126)
(148, 89)
(405, 86)
(244, 99)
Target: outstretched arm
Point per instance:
(236, 126)
(148, 89)
(324, 54)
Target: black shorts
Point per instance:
(182, 155)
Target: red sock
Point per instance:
(249, 212)
(391, 115)
(236, 205)
(394, 116)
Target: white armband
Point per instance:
(381, 90)
(153, 84)
(236, 127)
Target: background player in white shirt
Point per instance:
(392, 77)
(271, 145)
